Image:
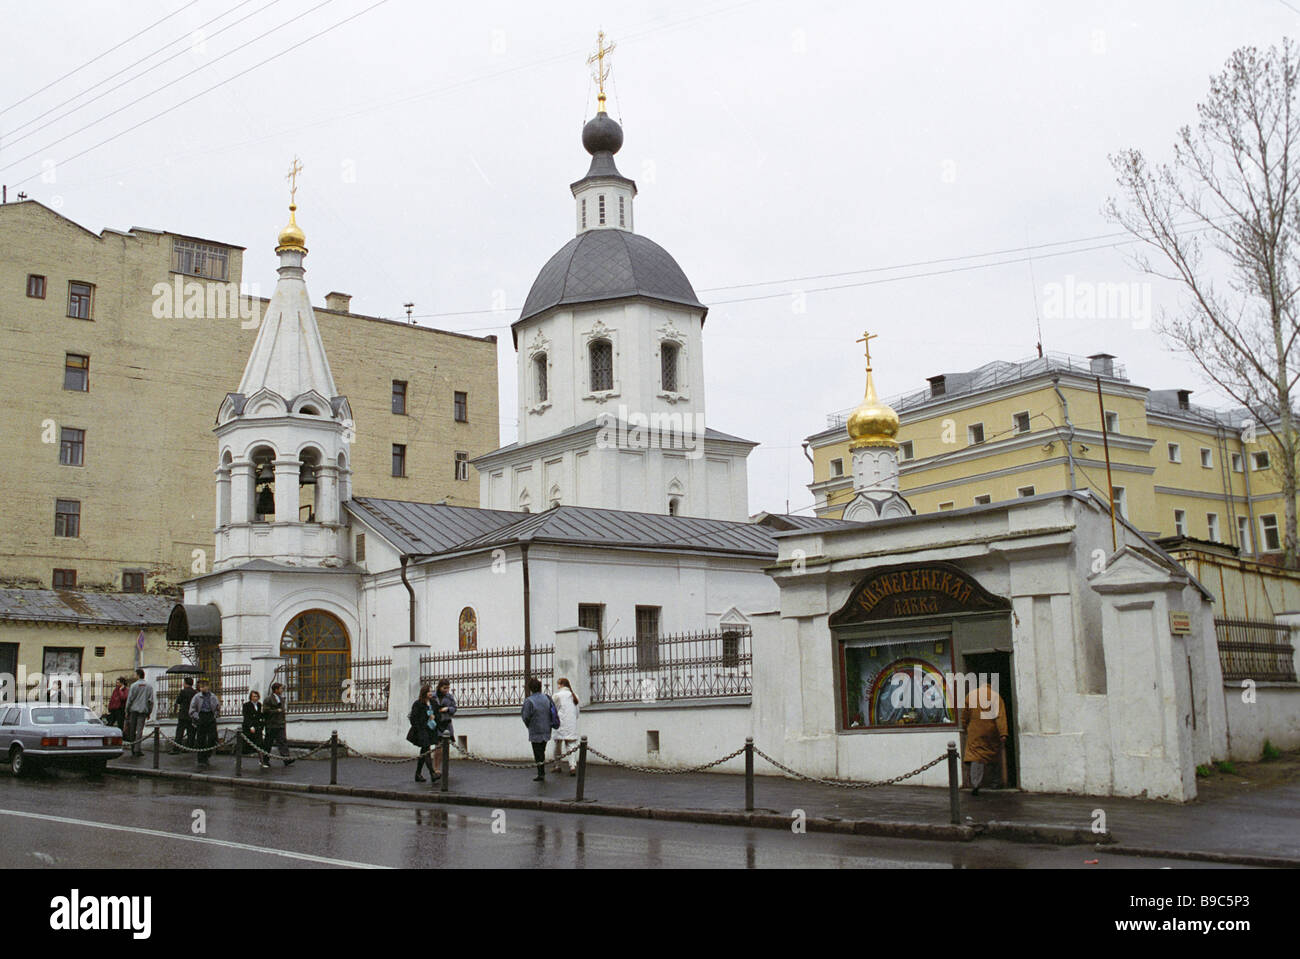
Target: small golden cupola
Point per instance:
(873, 423)
(291, 237)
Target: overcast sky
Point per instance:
(771, 141)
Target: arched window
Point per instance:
(223, 490)
(318, 653)
(674, 505)
(263, 484)
(668, 353)
(539, 377)
(602, 365)
(307, 475)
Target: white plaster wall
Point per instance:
(1275, 716)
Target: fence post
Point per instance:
(954, 797)
(156, 731)
(334, 757)
(749, 774)
(239, 753)
(445, 747)
(582, 768)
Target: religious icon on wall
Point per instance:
(468, 629)
(891, 684)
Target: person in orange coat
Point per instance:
(984, 722)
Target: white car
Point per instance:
(37, 734)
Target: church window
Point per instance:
(67, 518)
(584, 212)
(200, 259)
(359, 548)
(668, 364)
(602, 365)
(72, 447)
(132, 581)
(621, 219)
(601, 205)
(76, 373)
(35, 286)
(462, 465)
(674, 505)
(647, 637)
(399, 459)
(79, 295)
(460, 406)
(399, 397)
(65, 579)
(318, 653)
(539, 377)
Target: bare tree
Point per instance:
(1223, 220)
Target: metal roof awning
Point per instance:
(193, 624)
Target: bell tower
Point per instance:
(284, 454)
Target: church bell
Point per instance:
(265, 496)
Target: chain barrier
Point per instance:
(225, 741)
(846, 784)
(665, 772)
(350, 751)
(515, 765)
(269, 755)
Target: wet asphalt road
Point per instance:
(67, 820)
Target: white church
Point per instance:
(613, 542)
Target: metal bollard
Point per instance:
(334, 757)
(156, 731)
(954, 797)
(239, 754)
(749, 774)
(582, 768)
(445, 748)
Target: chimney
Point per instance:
(338, 302)
(1102, 364)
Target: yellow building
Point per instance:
(1010, 429)
(120, 348)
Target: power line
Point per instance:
(95, 59)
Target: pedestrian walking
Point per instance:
(117, 703)
(984, 722)
(566, 735)
(444, 707)
(276, 733)
(139, 705)
(540, 717)
(205, 707)
(184, 728)
(253, 723)
(420, 735)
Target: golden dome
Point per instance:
(292, 237)
(873, 423)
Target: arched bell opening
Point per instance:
(223, 489)
(263, 506)
(308, 485)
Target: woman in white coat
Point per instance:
(566, 737)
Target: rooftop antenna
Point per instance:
(409, 308)
(1033, 289)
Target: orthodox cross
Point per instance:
(865, 340)
(293, 178)
(601, 73)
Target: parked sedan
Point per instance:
(37, 734)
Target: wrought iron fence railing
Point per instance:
(489, 677)
(1255, 649)
(703, 665)
(230, 683)
(336, 685)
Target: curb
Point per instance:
(1226, 858)
(1046, 833)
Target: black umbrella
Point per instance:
(184, 668)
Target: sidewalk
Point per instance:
(1255, 825)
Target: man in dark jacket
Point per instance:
(184, 728)
(276, 733)
(205, 707)
(536, 715)
(253, 723)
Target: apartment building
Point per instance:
(119, 348)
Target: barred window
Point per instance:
(668, 361)
(602, 365)
(647, 637)
(591, 616)
(200, 259)
(539, 377)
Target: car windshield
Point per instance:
(51, 715)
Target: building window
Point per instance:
(462, 465)
(592, 616)
(72, 447)
(668, 366)
(65, 579)
(602, 365)
(460, 407)
(1268, 533)
(975, 434)
(601, 209)
(79, 295)
(541, 388)
(1212, 526)
(647, 637)
(1236, 462)
(897, 683)
(947, 505)
(35, 286)
(1025, 491)
(1112, 421)
(399, 459)
(1243, 534)
(983, 499)
(1259, 461)
(674, 505)
(1118, 495)
(1180, 522)
(359, 548)
(1207, 458)
(622, 221)
(583, 207)
(399, 397)
(837, 467)
(132, 581)
(1021, 421)
(67, 518)
(200, 259)
(905, 450)
(1175, 453)
(318, 655)
(76, 373)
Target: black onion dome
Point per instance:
(602, 134)
(608, 265)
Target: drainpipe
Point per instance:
(528, 626)
(1069, 443)
(410, 589)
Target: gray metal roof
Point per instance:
(428, 527)
(709, 434)
(605, 265)
(84, 609)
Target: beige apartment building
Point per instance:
(119, 348)
(1008, 429)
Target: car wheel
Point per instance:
(19, 764)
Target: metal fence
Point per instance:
(335, 685)
(705, 665)
(488, 677)
(230, 683)
(1255, 649)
